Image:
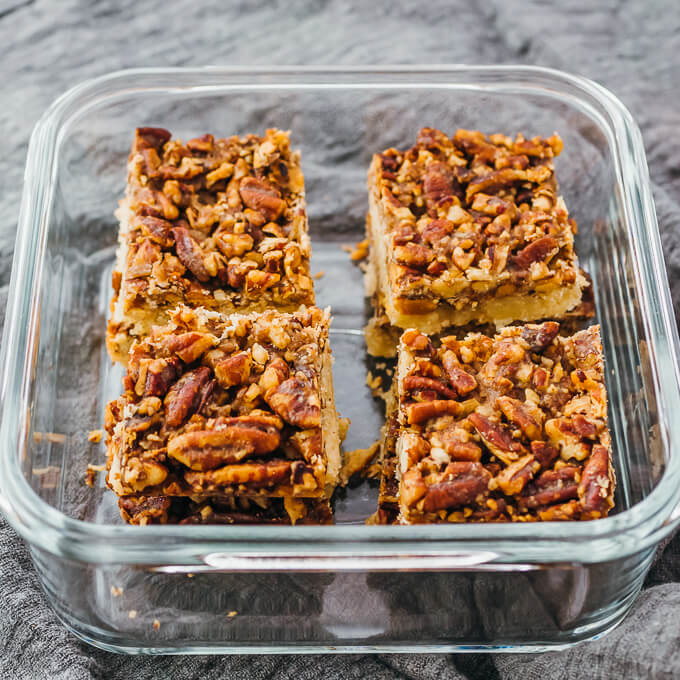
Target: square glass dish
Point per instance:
(348, 587)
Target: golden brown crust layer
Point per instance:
(458, 220)
(217, 405)
(215, 223)
(505, 428)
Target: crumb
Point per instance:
(343, 427)
(190, 575)
(347, 248)
(373, 381)
(359, 252)
(156, 624)
(232, 614)
(319, 275)
(132, 613)
(49, 476)
(356, 462)
(91, 473)
(54, 437)
(116, 591)
(95, 436)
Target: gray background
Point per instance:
(632, 48)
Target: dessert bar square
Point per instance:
(214, 223)
(505, 428)
(144, 510)
(470, 228)
(238, 405)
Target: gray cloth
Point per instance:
(632, 48)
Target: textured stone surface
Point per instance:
(632, 48)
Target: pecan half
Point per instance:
(540, 336)
(255, 475)
(415, 383)
(190, 254)
(419, 412)
(595, 489)
(186, 396)
(259, 195)
(296, 402)
(463, 484)
(538, 251)
(497, 439)
(209, 449)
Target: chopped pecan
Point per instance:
(456, 444)
(565, 511)
(158, 230)
(413, 255)
(439, 184)
(259, 195)
(234, 370)
(595, 489)
(308, 443)
(540, 336)
(436, 230)
(544, 453)
(160, 374)
(463, 483)
(151, 137)
(189, 346)
(461, 380)
(234, 244)
(517, 413)
(143, 510)
(296, 402)
(583, 427)
(142, 259)
(497, 439)
(414, 383)
(187, 395)
(537, 251)
(562, 435)
(494, 180)
(237, 270)
(190, 254)
(552, 486)
(204, 143)
(515, 476)
(417, 341)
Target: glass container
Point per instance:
(349, 587)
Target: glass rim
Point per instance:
(45, 527)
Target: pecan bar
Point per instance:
(143, 510)
(470, 228)
(238, 405)
(505, 428)
(214, 223)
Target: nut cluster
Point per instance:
(215, 221)
(468, 214)
(219, 404)
(512, 427)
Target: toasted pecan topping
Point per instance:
(470, 216)
(537, 448)
(212, 402)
